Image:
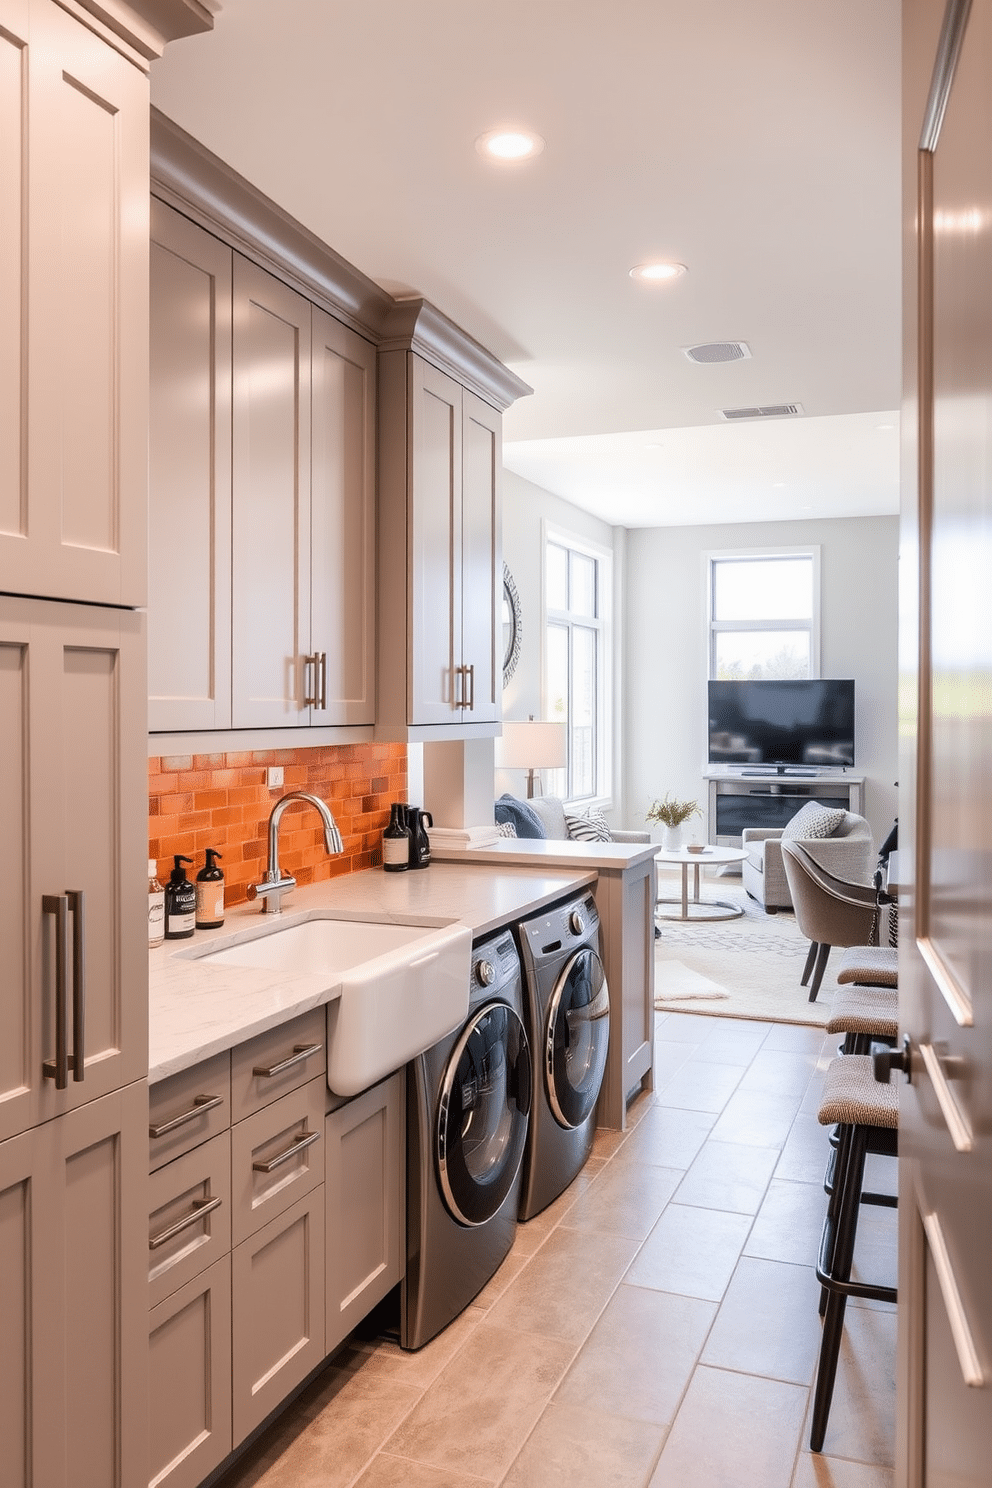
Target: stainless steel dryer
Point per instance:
(568, 1022)
(468, 1106)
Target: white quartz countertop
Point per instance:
(197, 1009)
(547, 852)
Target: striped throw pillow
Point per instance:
(589, 828)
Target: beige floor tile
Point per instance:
(617, 1206)
(728, 1176)
(573, 1448)
(692, 1252)
(794, 1036)
(666, 1138)
(562, 1291)
(804, 1156)
(668, 1059)
(757, 1118)
(819, 1471)
(861, 1425)
(419, 1369)
(477, 1413)
(328, 1435)
(780, 1072)
(768, 1322)
(637, 1360)
(387, 1471)
(732, 1041)
(699, 1086)
(683, 1028)
(732, 1430)
(789, 1223)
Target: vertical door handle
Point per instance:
(322, 679)
(78, 1058)
(57, 1069)
(471, 687)
(310, 692)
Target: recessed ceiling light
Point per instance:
(509, 144)
(657, 273)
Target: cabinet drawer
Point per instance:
(277, 1155)
(189, 1350)
(187, 1109)
(277, 1282)
(189, 1220)
(277, 1061)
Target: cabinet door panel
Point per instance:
(364, 1200)
(177, 1195)
(189, 1344)
(482, 563)
(436, 548)
(277, 1280)
(73, 681)
(22, 1369)
(76, 527)
(271, 465)
(13, 275)
(189, 581)
(342, 526)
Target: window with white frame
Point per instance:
(577, 580)
(764, 619)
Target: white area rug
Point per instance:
(745, 968)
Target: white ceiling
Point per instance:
(757, 142)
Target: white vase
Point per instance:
(671, 838)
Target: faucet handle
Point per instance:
(270, 891)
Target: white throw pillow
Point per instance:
(813, 820)
(506, 829)
(589, 828)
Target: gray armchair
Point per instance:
(830, 911)
(848, 853)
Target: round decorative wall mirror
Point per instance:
(511, 625)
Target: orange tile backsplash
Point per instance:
(196, 801)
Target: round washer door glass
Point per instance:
(576, 1038)
(482, 1114)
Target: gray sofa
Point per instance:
(551, 812)
(848, 853)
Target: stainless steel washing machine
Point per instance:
(468, 1108)
(568, 1021)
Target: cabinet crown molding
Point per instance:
(414, 324)
(188, 176)
(149, 25)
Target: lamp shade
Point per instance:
(533, 745)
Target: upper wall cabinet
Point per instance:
(440, 565)
(73, 310)
(262, 484)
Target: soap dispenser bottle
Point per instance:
(210, 894)
(180, 902)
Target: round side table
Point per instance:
(695, 908)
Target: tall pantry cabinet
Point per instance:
(73, 989)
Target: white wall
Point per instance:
(664, 699)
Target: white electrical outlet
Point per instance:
(273, 776)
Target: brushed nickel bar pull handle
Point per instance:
(957, 1125)
(471, 687)
(300, 1052)
(200, 1104)
(968, 1360)
(322, 673)
(57, 1069)
(78, 1057)
(201, 1208)
(306, 1140)
(310, 693)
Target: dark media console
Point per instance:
(737, 801)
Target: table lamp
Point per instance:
(533, 746)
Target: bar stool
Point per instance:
(869, 966)
(866, 1115)
(863, 1012)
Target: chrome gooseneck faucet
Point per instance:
(276, 883)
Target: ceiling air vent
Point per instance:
(768, 410)
(718, 351)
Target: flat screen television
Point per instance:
(806, 724)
